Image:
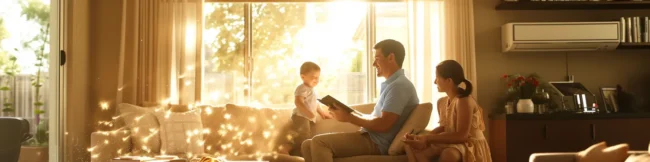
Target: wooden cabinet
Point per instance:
(634, 132)
(524, 137)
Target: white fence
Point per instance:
(23, 96)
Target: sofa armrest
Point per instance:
(106, 145)
(553, 157)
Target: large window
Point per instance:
(24, 50)
(257, 62)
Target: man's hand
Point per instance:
(326, 116)
(339, 114)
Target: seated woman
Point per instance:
(460, 134)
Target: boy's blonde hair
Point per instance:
(308, 67)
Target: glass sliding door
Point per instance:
(29, 73)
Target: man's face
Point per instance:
(381, 62)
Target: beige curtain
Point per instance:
(439, 30)
(458, 36)
(160, 52)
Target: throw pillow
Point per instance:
(181, 132)
(417, 121)
(143, 126)
(600, 152)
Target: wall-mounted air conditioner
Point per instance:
(560, 36)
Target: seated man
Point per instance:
(396, 102)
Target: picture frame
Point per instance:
(608, 96)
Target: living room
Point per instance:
(243, 62)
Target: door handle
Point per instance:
(545, 131)
(593, 131)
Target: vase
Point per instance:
(525, 106)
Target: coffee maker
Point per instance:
(572, 97)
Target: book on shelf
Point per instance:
(635, 29)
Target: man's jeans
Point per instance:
(326, 147)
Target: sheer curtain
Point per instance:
(160, 51)
(439, 30)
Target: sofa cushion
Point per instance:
(600, 152)
(143, 126)
(181, 132)
(417, 121)
(242, 130)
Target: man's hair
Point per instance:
(308, 67)
(389, 46)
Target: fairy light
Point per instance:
(251, 119)
(266, 134)
(106, 142)
(91, 149)
(206, 131)
(104, 105)
(226, 116)
(208, 110)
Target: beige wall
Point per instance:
(593, 69)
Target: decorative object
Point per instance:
(525, 106)
(540, 99)
(608, 96)
(510, 108)
(522, 89)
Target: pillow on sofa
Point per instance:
(143, 126)
(181, 132)
(417, 121)
(600, 152)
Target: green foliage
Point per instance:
(272, 25)
(37, 11)
(41, 138)
(3, 31)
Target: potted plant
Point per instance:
(36, 148)
(522, 88)
(10, 70)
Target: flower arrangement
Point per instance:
(520, 87)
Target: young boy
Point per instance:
(306, 108)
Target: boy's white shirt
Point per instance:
(310, 101)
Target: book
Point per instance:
(329, 101)
(623, 35)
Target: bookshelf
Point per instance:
(573, 5)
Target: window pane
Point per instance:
(285, 35)
(392, 23)
(24, 56)
(223, 38)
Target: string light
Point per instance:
(104, 105)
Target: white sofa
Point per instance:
(110, 144)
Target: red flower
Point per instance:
(509, 84)
(521, 78)
(505, 76)
(536, 83)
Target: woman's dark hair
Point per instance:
(452, 69)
